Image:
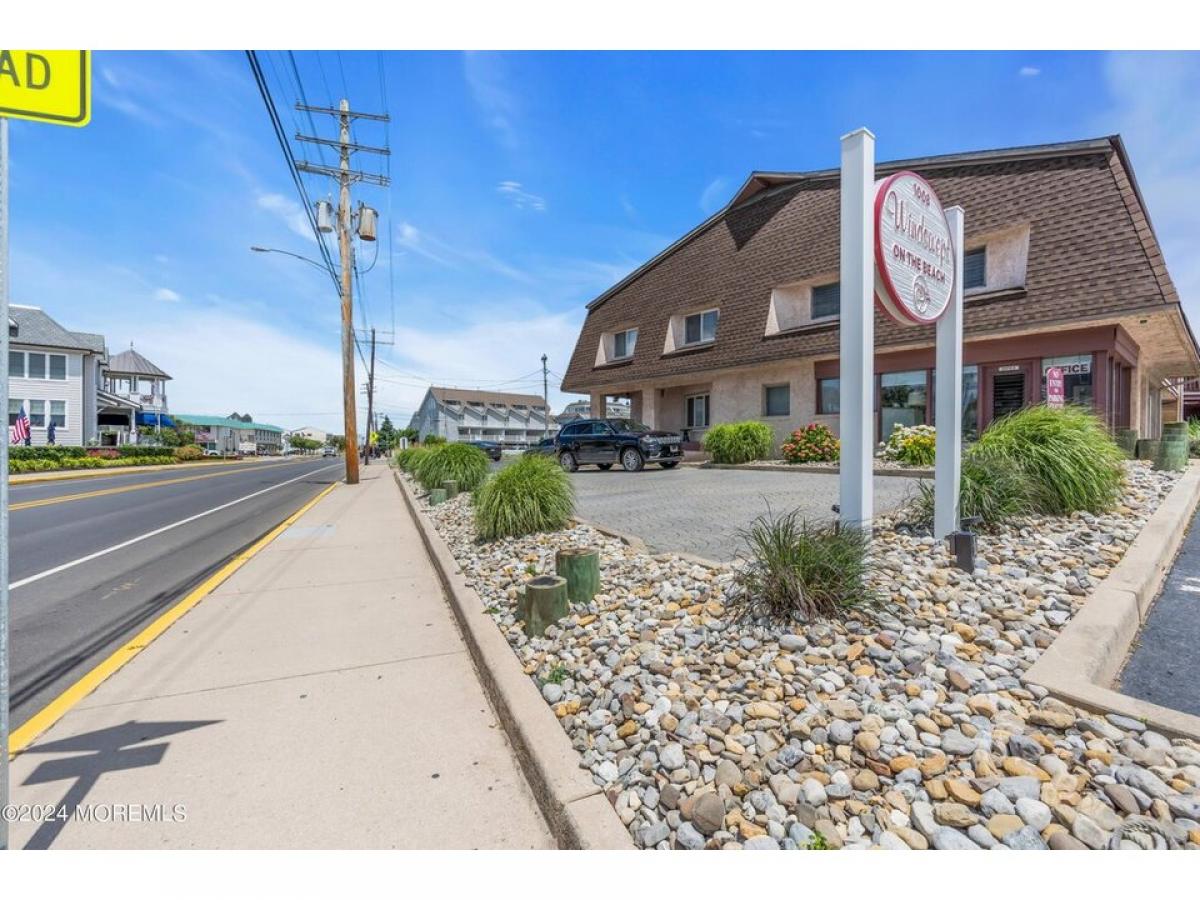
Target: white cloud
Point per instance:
(520, 197)
(1029, 71)
(486, 77)
(1156, 110)
(713, 197)
(289, 212)
(166, 295)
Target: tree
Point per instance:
(386, 436)
(176, 437)
(337, 441)
(300, 442)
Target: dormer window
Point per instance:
(700, 328)
(975, 268)
(826, 302)
(624, 343)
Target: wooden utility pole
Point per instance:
(344, 176)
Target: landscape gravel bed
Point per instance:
(908, 727)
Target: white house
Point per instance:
(512, 420)
(313, 434)
(54, 374)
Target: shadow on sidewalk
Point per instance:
(107, 750)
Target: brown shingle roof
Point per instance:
(1092, 252)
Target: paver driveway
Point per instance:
(700, 511)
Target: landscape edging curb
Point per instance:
(565, 794)
(801, 468)
(1089, 653)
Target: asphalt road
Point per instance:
(1166, 656)
(93, 560)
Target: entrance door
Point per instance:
(1008, 393)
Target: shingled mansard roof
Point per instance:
(35, 328)
(1093, 255)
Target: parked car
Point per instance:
(328, 451)
(491, 448)
(605, 442)
(211, 452)
(544, 447)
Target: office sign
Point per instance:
(53, 86)
(1056, 390)
(915, 260)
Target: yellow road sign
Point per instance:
(52, 86)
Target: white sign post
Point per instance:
(857, 369)
(898, 244)
(947, 471)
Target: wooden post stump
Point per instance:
(1147, 449)
(450, 486)
(1172, 453)
(543, 603)
(1127, 440)
(436, 496)
(581, 569)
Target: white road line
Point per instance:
(157, 531)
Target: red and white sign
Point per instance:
(915, 259)
(1056, 390)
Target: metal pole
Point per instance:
(370, 402)
(4, 788)
(948, 394)
(545, 400)
(857, 370)
(349, 398)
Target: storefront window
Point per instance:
(903, 398)
(1077, 377)
(970, 403)
(829, 396)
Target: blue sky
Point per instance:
(523, 185)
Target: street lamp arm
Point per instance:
(311, 262)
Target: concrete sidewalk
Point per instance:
(321, 697)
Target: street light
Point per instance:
(311, 262)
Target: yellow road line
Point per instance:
(62, 704)
(103, 492)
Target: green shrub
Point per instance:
(797, 570)
(812, 443)
(1068, 454)
(410, 458)
(531, 495)
(432, 440)
(738, 442)
(143, 451)
(993, 488)
(188, 453)
(464, 463)
(911, 445)
(55, 452)
(1193, 428)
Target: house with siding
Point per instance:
(738, 319)
(54, 374)
(511, 420)
(233, 434)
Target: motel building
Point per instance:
(738, 319)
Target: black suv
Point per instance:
(603, 442)
(491, 448)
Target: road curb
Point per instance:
(1088, 655)
(801, 468)
(576, 810)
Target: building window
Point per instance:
(903, 400)
(37, 413)
(14, 410)
(700, 328)
(777, 400)
(58, 367)
(1077, 377)
(58, 413)
(826, 300)
(829, 396)
(624, 343)
(975, 269)
(16, 364)
(697, 411)
(37, 365)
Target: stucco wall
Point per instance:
(739, 396)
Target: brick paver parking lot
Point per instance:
(700, 511)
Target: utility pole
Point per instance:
(370, 402)
(344, 175)
(545, 399)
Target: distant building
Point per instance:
(227, 434)
(53, 373)
(582, 409)
(313, 434)
(139, 388)
(511, 420)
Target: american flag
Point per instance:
(20, 431)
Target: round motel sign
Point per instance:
(915, 260)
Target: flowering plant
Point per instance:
(812, 443)
(910, 445)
